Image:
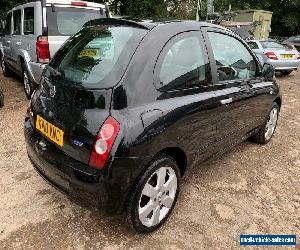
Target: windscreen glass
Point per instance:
(66, 21)
(97, 56)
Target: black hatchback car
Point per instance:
(125, 107)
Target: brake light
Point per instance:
(81, 4)
(104, 142)
(271, 55)
(42, 49)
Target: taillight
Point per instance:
(104, 142)
(81, 4)
(42, 49)
(271, 55)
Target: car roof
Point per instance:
(151, 23)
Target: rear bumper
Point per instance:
(285, 64)
(105, 189)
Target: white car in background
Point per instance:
(34, 31)
(283, 59)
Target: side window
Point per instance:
(253, 45)
(17, 22)
(8, 24)
(183, 63)
(28, 21)
(233, 59)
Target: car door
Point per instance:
(187, 99)
(238, 85)
(16, 38)
(7, 39)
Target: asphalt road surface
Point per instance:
(252, 189)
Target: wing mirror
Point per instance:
(268, 72)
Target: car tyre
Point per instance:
(267, 130)
(7, 72)
(27, 83)
(286, 73)
(154, 196)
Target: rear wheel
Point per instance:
(285, 73)
(5, 69)
(27, 83)
(154, 196)
(267, 130)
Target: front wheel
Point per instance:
(267, 130)
(286, 73)
(6, 70)
(155, 195)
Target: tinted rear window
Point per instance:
(97, 57)
(273, 45)
(66, 21)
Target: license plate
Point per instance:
(50, 131)
(287, 56)
(89, 53)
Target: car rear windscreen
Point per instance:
(271, 45)
(66, 21)
(97, 56)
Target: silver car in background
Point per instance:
(34, 31)
(283, 59)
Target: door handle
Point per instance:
(226, 101)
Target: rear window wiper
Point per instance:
(52, 71)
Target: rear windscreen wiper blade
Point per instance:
(52, 71)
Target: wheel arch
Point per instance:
(278, 100)
(178, 155)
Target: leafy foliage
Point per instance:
(285, 22)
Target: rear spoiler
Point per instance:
(115, 21)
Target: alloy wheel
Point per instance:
(158, 196)
(271, 124)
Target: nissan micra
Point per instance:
(125, 107)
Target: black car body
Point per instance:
(199, 114)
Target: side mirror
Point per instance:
(268, 72)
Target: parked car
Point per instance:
(1, 97)
(293, 41)
(125, 107)
(283, 59)
(36, 30)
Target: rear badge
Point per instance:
(77, 143)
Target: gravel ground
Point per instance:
(253, 189)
